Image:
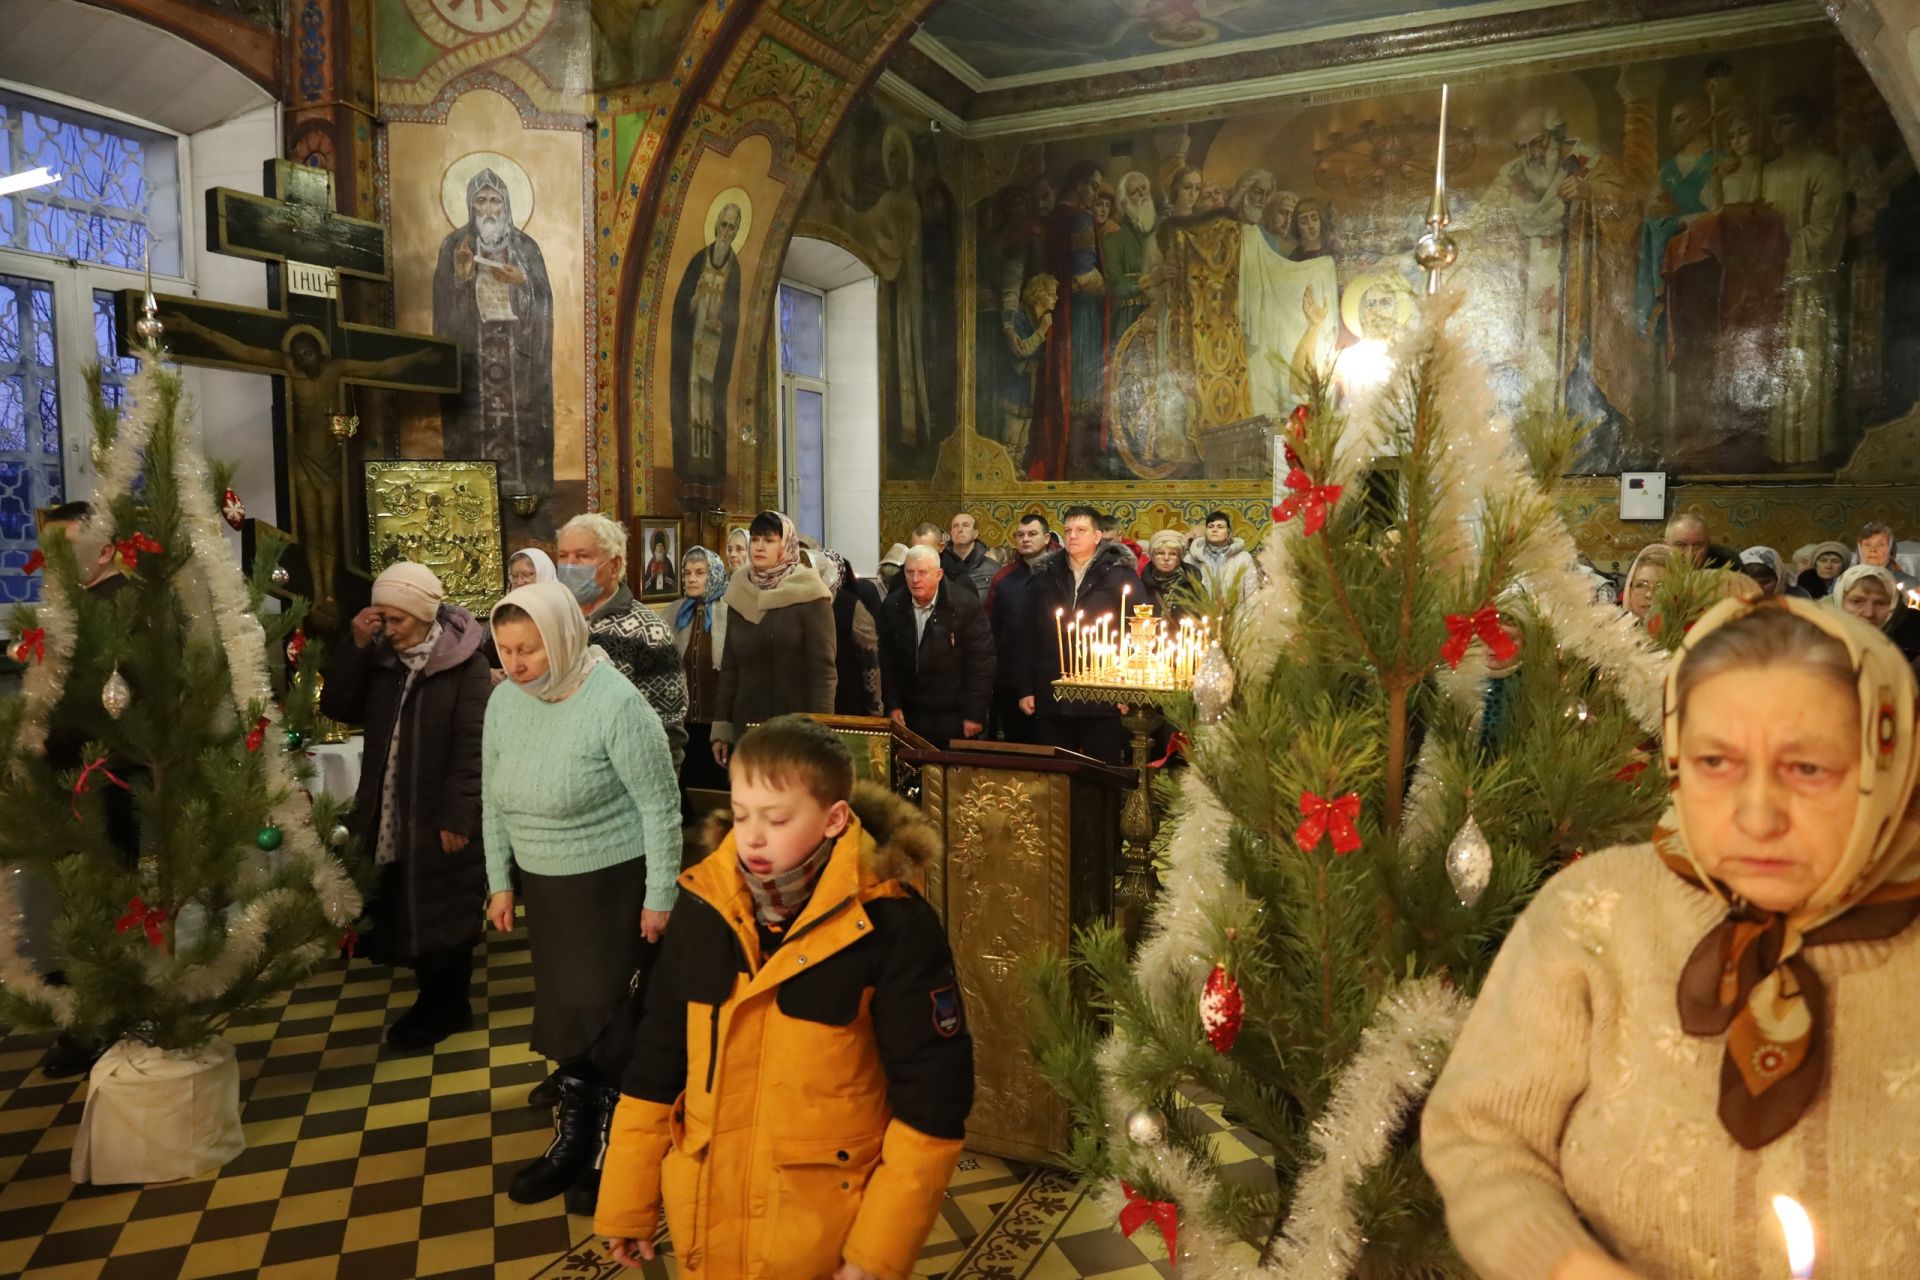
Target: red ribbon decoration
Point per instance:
(1175, 746)
(33, 644)
(1297, 420)
(296, 646)
(349, 940)
(1323, 816)
(130, 548)
(141, 916)
(1309, 501)
(1165, 1214)
(257, 734)
(1630, 770)
(81, 787)
(1484, 623)
(36, 561)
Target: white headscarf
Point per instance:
(563, 630)
(1859, 573)
(543, 570)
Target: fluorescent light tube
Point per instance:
(27, 181)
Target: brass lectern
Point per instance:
(1032, 847)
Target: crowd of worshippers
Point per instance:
(1868, 580)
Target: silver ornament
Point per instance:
(280, 577)
(1146, 1126)
(114, 694)
(1469, 862)
(1213, 686)
(1578, 712)
(339, 835)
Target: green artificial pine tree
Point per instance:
(1421, 714)
(151, 765)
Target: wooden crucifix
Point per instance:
(312, 351)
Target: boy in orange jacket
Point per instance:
(801, 1079)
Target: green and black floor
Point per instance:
(375, 1165)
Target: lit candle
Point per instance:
(1799, 1232)
(1124, 615)
(1440, 161)
(1080, 650)
(1059, 638)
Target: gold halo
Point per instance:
(1356, 290)
(732, 195)
(1205, 33)
(453, 187)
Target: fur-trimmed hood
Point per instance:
(901, 844)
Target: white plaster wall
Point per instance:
(236, 409)
(852, 464)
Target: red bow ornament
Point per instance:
(1164, 1214)
(1297, 420)
(1630, 770)
(82, 786)
(296, 646)
(33, 644)
(1485, 624)
(36, 561)
(349, 940)
(141, 916)
(130, 549)
(1309, 501)
(1177, 745)
(257, 734)
(1324, 816)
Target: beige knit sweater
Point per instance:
(1574, 1109)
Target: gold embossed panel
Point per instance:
(1007, 863)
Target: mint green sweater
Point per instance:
(575, 786)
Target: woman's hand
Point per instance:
(653, 924)
(452, 842)
(720, 752)
(853, 1271)
(500, 910)
(631, 1252)
(1590, 1264)
(368, 626)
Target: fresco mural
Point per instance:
(488, 248)
(883, 191)
(1016, 37)
(1715, 258)
(636, 40)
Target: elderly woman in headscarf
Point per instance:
(856, 635)
(737, 550)
(529, 565)
(1649, 569)
(700, 630)
(414, 678)
(1764, 566)
(781, 651)
(1872, 594)
(579, 789)
(1830, 560)
(1733, 1000)
(1167, 573)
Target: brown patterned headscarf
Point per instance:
(1749, 978)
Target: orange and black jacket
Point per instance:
(797, 1099)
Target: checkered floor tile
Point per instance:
(373, 1165)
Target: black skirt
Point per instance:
(584, 933)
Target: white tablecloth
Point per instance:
(337, 768)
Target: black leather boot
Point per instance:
(443, 1007)
(547, 1092)
(575, 1135)
(70, 1056)
(584, 1195)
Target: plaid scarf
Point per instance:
(777, 899)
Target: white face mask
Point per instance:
(536, 686)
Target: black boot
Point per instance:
(68, 1056)
(547, 1092)
(584, 1195)
(443, 1007)
(575, 1135)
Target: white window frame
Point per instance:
(789, 384)
(74, 283)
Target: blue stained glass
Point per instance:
(98, 210)
(30, 461)
(803, 332)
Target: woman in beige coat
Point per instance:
(1678, 1032)
(780, 649)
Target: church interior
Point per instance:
(439, 276)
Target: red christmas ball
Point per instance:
(1221, 1009)
(233, 509)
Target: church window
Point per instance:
(66, 245)
(803, 404)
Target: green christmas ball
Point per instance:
(269, 838)
(295, 739)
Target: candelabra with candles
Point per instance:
(1140, 662)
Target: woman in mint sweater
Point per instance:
(579, 794)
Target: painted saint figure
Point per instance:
(492, 296)
(893, 224)
(706, 325)
(1808, 188)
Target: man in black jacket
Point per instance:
(1010, 608)
(936, 654)
(1087, 578)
